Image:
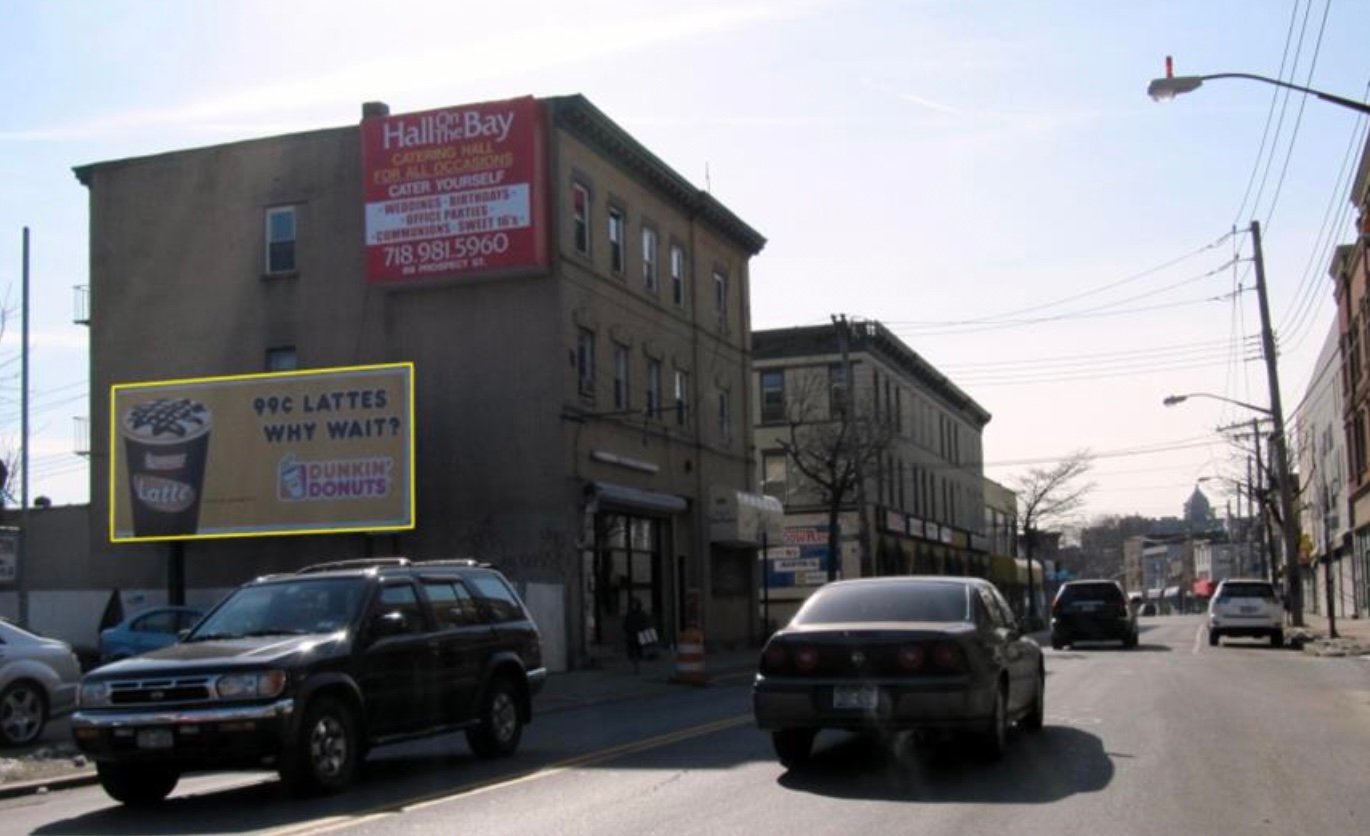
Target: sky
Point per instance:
(985, 177)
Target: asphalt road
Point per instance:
(1174, 737)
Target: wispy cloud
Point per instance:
(414, 75)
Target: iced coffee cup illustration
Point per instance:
(165, 442)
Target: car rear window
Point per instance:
(942, 602)
(1091, 592)
(1252, 589)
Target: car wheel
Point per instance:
(1277, 638)
(500, 727)
(137, 785)
(1212, 637)
(1057, 644)
(23, 713)
(793, 746)
(1037, 714)
(324, 757)
(994, 739)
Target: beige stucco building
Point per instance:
(922, 507)
(572, 419)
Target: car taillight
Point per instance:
(773, 658)
(912, 656)
(806, 659)
(1057, 606)
(947, 656)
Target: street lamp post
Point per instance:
(1165, 89)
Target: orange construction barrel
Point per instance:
(689, 657)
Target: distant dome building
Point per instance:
(1198, 511)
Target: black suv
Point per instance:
(307, 671)
(1092, 610)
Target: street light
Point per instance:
(1165, 89)
(1162, 89)
(1171, 400)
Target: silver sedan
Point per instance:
(38, 679)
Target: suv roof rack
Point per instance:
(454, 561)
(359, 563)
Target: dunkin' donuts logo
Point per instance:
(298, 480)
(162, 494)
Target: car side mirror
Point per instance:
(391, 623)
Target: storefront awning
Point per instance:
(636, 499)
(745, 519)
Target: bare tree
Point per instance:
(833, 439)
(1048, 495)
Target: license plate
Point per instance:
(863, 697)
(155, 739)
(1248, 610)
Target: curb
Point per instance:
(84, 778)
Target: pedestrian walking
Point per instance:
(636, 629)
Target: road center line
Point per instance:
(334, 823)
(1198, 640)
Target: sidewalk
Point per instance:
(615, 680)
(1353, 636)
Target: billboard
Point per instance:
(455, 192)
(300, 452)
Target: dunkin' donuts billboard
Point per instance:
(302, 452)
(455, 192)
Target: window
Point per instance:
(773, 395)
(620, 377)
(402, 599)
(450, 604)
(616, 239)
(837, 390)
(585, 361)
(163, 621)
(775, 475)
(495, 596)
(280, 239)
(721, 296)
(682, 398)
(649, 259)
(580, 214)
(725, 417)
(678, 275)
(282, 359)
(654, 388)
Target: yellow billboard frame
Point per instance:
(115, 389)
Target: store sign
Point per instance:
(320, 451)
(455, 192)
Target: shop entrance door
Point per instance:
(627, 567)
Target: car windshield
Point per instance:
(1247, 590)
(937, 602)
(296, 607)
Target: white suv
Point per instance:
(1246, 607)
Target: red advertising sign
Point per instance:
(454, 192)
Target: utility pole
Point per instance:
(1279, 449)
(849, 396)
(22, 557)
(1327, 518)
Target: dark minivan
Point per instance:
(306, 672)
(1092, 610)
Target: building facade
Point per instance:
(1351, 279)
(918, 505)
(1320, 450)
(574, 412)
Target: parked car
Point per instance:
(892, 653)
(306, 672)
(146, 630)
(38, 678)
(1246, 607)
(1092, 610)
